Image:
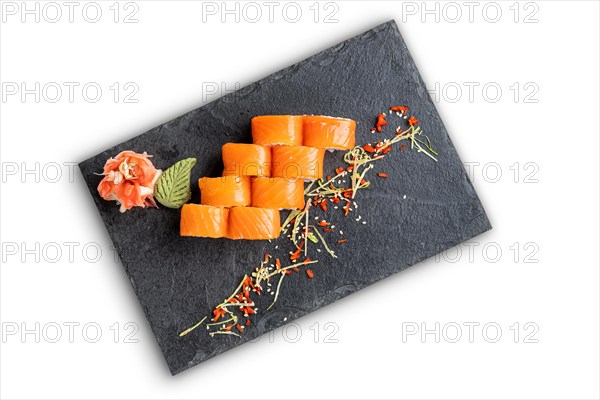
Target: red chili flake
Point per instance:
(296, 269)
(240, 298)
(327, 230)
(380, 122)
(342, 241)
(247, 310)
(347, 208)
(218, 313)
(350, 168)
(307, 260)
(403, 147)
(363, 181)
(239, 327)
(401, 109)
(368, 148)
(292, 220)
(328, 177)
(378, 146)
(277, 263)
(335, 200)
(228, 328)
(310, 274)
(339, 170)
(413, 121)
(347, 194)
(267, 256)
(288, 272)
(324, 205)
(387, 149)
(382, 175)
(295, 255)
(247, 322)
(323, 223)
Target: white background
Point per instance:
(176, 55)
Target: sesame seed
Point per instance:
(318, 250)
(341, 232)
(404, 197)
(285, 319)
(364, 222)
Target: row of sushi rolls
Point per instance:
(265, 176)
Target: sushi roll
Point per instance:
(244, 159)
(272, 130)
(204, 221)
(280, 193)
(293, 162)
(329, 132)
(226, 191)
(253, 223)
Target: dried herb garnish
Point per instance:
(336, 190)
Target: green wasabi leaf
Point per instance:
(173, 186)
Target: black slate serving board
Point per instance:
(179, 280)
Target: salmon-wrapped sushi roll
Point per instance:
(253, 223)
(226, 191)
(272, 130)
(280, 193)
(246, 159)
(293, 162)
(329, 132)
(204, 221)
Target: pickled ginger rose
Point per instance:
(129, 179)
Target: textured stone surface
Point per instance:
(179, 280)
